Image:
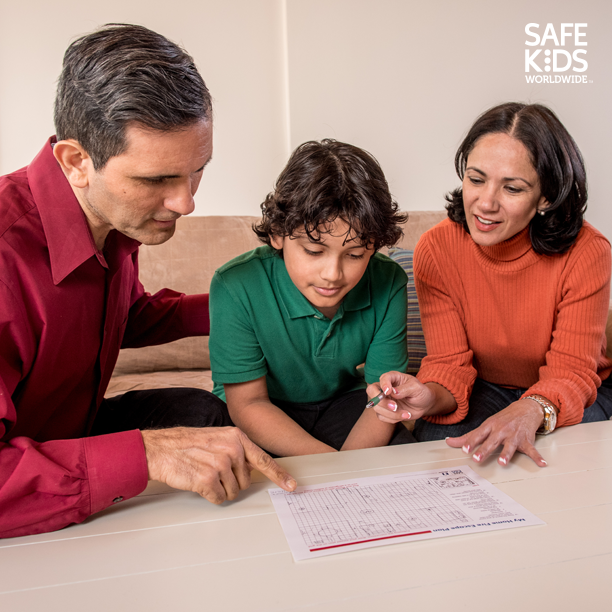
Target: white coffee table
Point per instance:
(170, 550)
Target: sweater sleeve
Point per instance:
(449, 358)
(569, 377)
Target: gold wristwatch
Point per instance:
(550, 414)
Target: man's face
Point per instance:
(142, 192)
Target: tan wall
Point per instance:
(406, 79)
(238, 46)
(401, 78)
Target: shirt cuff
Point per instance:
(116, 468)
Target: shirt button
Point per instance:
(117, 499)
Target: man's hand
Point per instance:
(514, 428)
(215, 462)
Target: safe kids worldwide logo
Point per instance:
(556, 53)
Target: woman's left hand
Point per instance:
(514, 428)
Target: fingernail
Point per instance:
(466, 448)
(386, 391)
(544, 462)
(406, 415)
(291, 483)
(503, 460)
(392, 406)
(394, 391)
(447, 437)
(477, 456)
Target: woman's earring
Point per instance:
(541, 212)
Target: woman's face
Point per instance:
(501, 189)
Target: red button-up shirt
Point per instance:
(65, 311)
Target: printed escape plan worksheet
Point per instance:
(365, 512)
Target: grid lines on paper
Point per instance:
(347, 513)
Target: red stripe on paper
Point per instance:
(399, 535)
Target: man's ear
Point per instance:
(75, 162)
(276, 242)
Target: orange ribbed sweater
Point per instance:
(513, 317)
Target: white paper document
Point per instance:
(349, 515)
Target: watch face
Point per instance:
(552, 420)
(550, 415)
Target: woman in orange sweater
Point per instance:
(514, 291)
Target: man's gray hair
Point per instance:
(122, 74)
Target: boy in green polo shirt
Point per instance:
(291, 321)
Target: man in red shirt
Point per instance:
(134, 133)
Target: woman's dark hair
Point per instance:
(329, 180)
(125, 73)
(557, 161)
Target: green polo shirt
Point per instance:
(261, 325)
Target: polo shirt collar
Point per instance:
(297, 306)
(359, 296)
(64, 223)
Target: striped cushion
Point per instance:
(414, 335)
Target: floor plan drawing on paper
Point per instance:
(323, 519)
(348, 513)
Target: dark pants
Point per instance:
(488, 399)
(160, 409)
(331, 421)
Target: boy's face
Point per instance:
(324, 271)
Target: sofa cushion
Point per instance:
(196, 379)
(414, 331)
(418, 223)
(186, 263)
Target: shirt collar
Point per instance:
(297, 306)
(359, 296)
(64, 223)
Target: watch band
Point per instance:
(550, 414)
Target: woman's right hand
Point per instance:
(406, 399)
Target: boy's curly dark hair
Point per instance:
(555, 157)
(329, 180)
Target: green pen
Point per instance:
(375, 400)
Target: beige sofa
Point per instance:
(186, 263)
